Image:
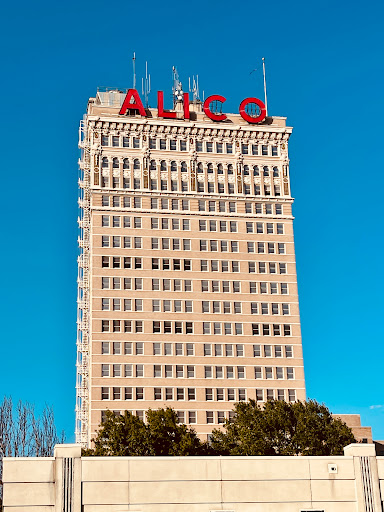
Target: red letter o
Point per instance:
(249, 118)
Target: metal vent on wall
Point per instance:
(67, 484)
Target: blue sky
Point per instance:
(325, 73)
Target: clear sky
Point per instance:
(325, 74)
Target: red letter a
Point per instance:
(135, 105)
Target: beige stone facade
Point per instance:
(70, 483)
(187, 277)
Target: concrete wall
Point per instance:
(70, 483)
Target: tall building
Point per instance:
(187, 277)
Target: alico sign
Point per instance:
(132, 102)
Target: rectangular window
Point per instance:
(208, 372)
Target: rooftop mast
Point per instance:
(265, 88)
(146, 85)
(134, 69)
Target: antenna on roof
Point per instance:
(177, 88)
(265, 88)
(146, 85)
(194, 89)
(134, 69)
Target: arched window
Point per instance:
(230, 169)
(163, 165)
(275, 172)
(265, 171)
(256, 170)
(125, 163)
(220, 169)
(115, 163)
(136, 163)
(210, 168)
(173, 166)
(105, 162)
(200, 168)
(152, 165)
(246, 170)
(184, 167)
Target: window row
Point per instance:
(268, 228)
(210, 372)
(174, 224)
(230, 207)
(171, 264)
(188, 349)
(184, 244)
(265, 329)
(263, 267)
(246, 148)
(174, 185)
(168, 327)
(125, 201)
(183, 204)
(123, 141)
(128, 283)
(219, 245)
(209, 187)
(228, 350)
(268, 288)
(176, 306)
(182, 416)
(266, 247)
(128, 202)
(125, 242)
(214, 225)
(264, 208)
(245, 170)
(121, 262)
(174, 244)
(278, 372)
(238, 307)
(116, 221)
(122, 326)
(169, 204)
(216, 206)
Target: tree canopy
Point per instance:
(161, 435)
(282, 428)
(277, 428)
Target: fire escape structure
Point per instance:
(83, 294)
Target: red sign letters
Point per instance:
(133, 102)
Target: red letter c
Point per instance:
(211, 115)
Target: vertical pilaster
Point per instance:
(67, 478)
(366, 476)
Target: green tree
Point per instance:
(162, 435)
(168, 437)
(121, 435)
(281, 428)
